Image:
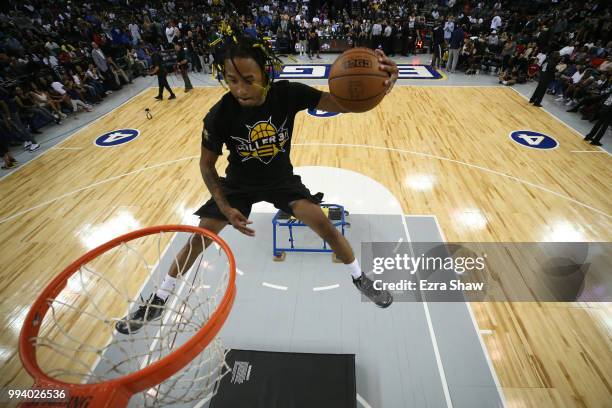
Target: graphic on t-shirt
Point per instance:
(264, 142)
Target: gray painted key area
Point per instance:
(309, 304)
(469, 378)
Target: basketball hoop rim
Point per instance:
(154, 373)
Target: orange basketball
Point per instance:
(356, 81)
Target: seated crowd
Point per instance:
(57, 59)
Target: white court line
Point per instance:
(433, 156)
(432, 334)
(320, 144)
(561, 121)
(94, 185)
(74, 133)
(363, 402)
(270, 285)
(319, 288)
(476, 328)
(399, 243)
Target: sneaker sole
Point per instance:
(137, 330)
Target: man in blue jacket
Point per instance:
(455, 44)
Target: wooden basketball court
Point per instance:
(479, 184)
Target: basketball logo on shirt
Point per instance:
(264, 142)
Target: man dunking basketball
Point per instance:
(255, 121)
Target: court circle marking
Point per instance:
(534, 140)
(383, 148)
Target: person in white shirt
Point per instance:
(170, 32)
(52, 46)
(449, 27)
(567, 84)
(135, 31)
(388, 40)
(76, 103)
(376, 35)
(496, 23)
(567, 50)
(577, 75)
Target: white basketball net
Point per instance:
(78, 343)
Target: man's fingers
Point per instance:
(246, 230)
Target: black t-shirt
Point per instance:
(158, 61)
(302, 33)
(258, 138)
(180, 55)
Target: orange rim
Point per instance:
(154, 373)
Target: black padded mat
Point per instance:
(262, 379)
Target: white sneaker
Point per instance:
(559, 98)
(26, 145)
(34, 146)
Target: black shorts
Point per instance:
(242, 197)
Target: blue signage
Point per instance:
(534, 140)
(321, 113)
(321, 71)
(117, 137)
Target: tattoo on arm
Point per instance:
(211, 179)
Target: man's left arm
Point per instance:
(330, 104)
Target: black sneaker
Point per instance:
(173, 96)
(152, 309)
(382, 298)
(159, 98)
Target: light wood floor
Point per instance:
(545, 355)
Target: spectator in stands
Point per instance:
(44, 100)
(28, 108)
(172, 32)
(600, 128)
(546, 75)
(9, 160)
(183, 65)
(117, 72)
(72, 95)
(377, 35)
(313, 43)
(159, 69)
(449, 27)
(12, 124)
(135, 33)
(99, 59)
(455, 44)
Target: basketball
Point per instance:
(356, 81)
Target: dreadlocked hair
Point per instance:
(232, 46)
